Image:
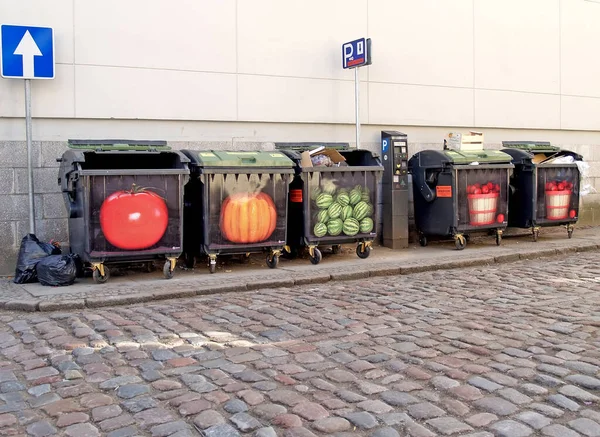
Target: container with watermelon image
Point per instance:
(338, 204)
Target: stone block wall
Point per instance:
(50, 213)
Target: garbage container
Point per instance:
(544, 186)
(334, 205)
(124, 200)
(457, 193)
(236, 203)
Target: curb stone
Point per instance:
(22, 305)
(318, 277)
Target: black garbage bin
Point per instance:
(125, 202)
(544, 186)
(334, 205)
(235, 204)
(457, 193)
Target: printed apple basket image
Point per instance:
(558, 200)
(483, 204)
(134, 219)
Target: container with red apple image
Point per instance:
(558, 200)
(483, 203)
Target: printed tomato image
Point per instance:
(248, 218)
(135, 219)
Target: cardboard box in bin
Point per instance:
(471, 141)
(332, 154)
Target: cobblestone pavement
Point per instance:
(508, 350)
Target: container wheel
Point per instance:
(363, 251)
(272, 261)
(98, 278)
(212, 263)
(149, 267)
(336, 248)
(167, 272)
(316, 257)
(423, 240)
(460, 242)
(498, 238)
(570, 232)
(536, 234)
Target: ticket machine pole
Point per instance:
(394, 150)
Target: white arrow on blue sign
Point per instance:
(27, 52)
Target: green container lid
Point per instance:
(480, 156)
(531, 146)
(214, 158)
(118, 145)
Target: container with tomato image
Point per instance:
(235, 204)
(544, 186)
(125, 202)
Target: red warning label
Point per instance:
(443, 191)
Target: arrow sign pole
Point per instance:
(28, 50)
(29, 154)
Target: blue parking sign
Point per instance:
(27, 52)
(356, 53)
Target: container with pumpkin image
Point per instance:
(247, 218)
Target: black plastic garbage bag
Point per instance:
(57, 270)
(31, 252)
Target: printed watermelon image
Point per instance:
(341, 210)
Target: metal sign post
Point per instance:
(27, 52)
(357, 106)
(29, 155)
(356, 54)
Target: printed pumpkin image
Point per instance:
(248, 218)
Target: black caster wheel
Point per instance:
(536, 235)
(98, 278)
(423, 240)
(167, 272)
(498, 239)
(272, 261)
(149, 267)
(336, 248)
(363, 251)
(460, 242)
(317, 256)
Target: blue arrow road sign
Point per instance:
(27, 52)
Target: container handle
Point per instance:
(249, 160)
(419, 178)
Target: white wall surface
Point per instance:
(524, 64)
